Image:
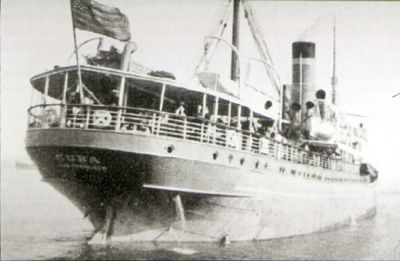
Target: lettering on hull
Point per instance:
(79, 161)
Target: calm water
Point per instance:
(38, 223)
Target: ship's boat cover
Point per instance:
(213, 81)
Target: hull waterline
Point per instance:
(130, 193)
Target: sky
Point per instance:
(37, 34)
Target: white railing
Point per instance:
(157, 123)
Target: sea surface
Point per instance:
(39, 223)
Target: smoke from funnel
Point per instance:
(313, 32)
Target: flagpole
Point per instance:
(77, 57)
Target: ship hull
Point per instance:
(145, 188)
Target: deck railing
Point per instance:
(158, 123)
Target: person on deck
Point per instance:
(181, 109)
(114, 97)
(73, 109)
(199, 113)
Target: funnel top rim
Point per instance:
(303, 49)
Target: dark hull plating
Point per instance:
(127, 186)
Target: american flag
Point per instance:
(91, 16)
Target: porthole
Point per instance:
(266, 165)
(230, 158)
(170, 148)
(257, 163)
(241, 161)
(215, 155)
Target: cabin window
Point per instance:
(49, 90)
(191, 101)
(262, 125)
(169, 100)
(223, 111)
(54, 92)
(106, 89)
(36, 97)
(144, 95)
(245, 118)
(234, 115)
(98, 88)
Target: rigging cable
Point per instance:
(260, 43)
(208, 49)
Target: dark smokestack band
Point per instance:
(306, 49)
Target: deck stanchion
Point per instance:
(129, 48)
(64, 101)
(44, 99)
(162, 97)
(153, 123)
(215, 119)
(87, 111)
(159, 119)
(46, 90)
(229, 113)
(202, 132)
(120, 103)
(184, 128)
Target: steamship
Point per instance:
(145, 157)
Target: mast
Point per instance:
(80, 85)
(301, 88)
(235, 41)
(334, 79)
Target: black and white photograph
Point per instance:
(200, 130)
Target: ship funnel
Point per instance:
(303, 73)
